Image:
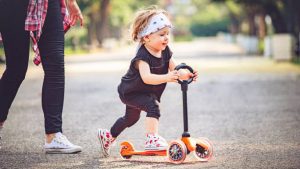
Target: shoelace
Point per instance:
(154, 138)
(61, 139)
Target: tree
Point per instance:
(284, 13)
(101, 24)
(109, 18)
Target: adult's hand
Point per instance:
(75, 13)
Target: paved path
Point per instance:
(247, 106)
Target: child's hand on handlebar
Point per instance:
(195, 75)
(186, 75)
(172, 76)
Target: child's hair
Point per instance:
(142, 18)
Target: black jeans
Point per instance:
(16, 46)
(135, 103)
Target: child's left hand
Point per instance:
(195, 75)
(185, 75)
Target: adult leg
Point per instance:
(16, 47)
(51, 46)
(52, 54)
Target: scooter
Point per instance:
(177, 150)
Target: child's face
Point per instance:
(159, 40)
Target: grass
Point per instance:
(296, 61)
(183, 38)
(1, 50)
(70, 51)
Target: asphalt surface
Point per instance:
(248, 106)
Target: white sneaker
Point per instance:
(61, 145)
(106, 141)
(155, 142)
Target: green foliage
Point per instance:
(120, 14)
(1, 49)
(233, 7)
(122, 11)
(186, 37)
(296, 60)
(189, 17)
(209, 29)
(261, 46)
(207, 20)
(70, 51)
(75, 38)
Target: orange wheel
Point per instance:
(126, 148)
(206, 139)
(176, 152)
(204, 149)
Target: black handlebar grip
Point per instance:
(184, 66)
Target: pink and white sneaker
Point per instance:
(106, 140)
(155, 142)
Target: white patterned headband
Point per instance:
(157, 22)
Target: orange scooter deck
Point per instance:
(127, 149)
(146, 153)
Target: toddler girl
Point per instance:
(143, 84)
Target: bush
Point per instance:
(209, 29)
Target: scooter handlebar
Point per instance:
(184, 66)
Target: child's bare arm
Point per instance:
(155, 79)
(172, 64)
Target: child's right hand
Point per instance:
(172, 76)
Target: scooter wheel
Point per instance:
(176, 152)
(126, 148)
(204, 149)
